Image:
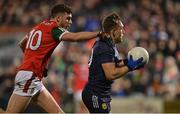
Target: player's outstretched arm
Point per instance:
(22, 43)
(80, 36)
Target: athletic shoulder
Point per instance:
(102, 47)
(58, 32)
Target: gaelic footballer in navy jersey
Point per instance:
(105, 66)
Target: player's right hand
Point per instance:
(101, 34)
(135, 64)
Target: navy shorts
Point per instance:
(95, 103)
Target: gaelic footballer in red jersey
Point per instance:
(38, 45)
(38, 49)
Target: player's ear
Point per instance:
(58, 18)
(112, 33)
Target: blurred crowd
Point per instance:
(152, 24)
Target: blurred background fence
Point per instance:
(152, 24)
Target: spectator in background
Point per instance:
(79, 79)
(170, 77)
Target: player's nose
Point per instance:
(123, 31)
(70, 22)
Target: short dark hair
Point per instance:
(60, 8)
(110, 21)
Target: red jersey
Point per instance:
(39, 48)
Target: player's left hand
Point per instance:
(141, 65)
(135, 64)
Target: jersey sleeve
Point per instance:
(106, 54)
(106, 57)
(57, 33)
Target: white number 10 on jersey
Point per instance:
(32, 35)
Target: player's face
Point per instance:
(119, 28)
(65, 20)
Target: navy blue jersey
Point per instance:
(103, 51)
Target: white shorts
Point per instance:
(26, 84)
(78, 95)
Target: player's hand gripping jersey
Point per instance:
(42, 40)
